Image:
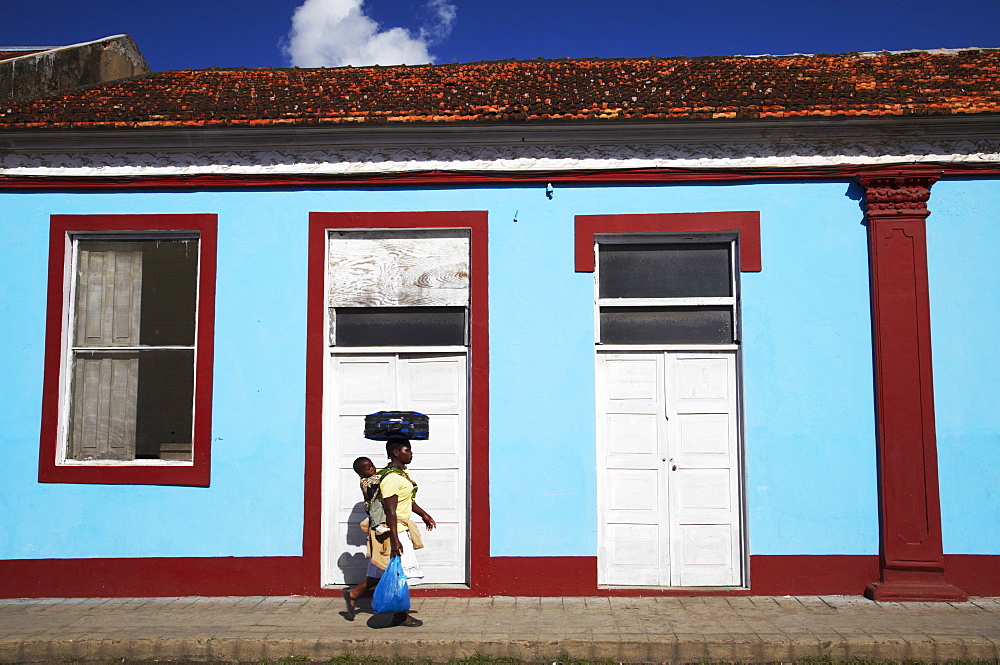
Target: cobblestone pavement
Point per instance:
(636, 630)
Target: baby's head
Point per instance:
(364, 467)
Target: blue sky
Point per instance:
(227, 33)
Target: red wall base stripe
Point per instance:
(544, 576)
(812, 575)
(977, 575)
(770, 576)
(153, 577)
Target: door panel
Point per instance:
(668, 477)
(705, 434)
(632, 554)
(443, 556)
(704, 556)
(437, 487)
(700, 383)
(632, 378)
(700, 492)
(630, 432)
(365, 385)
(633, 496)
(433, 384)
(436, 385)
(632, 435)
(703, 475)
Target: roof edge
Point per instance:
(873, 54)
(276, 137)
(761, 56)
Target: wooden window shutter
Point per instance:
(108, 303)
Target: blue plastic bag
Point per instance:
(392, 593)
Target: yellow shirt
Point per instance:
(395, 484)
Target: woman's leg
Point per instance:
(351, 595)
(362, 588)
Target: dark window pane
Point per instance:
(132, 405)
(136, 292)
(400, 326)
(169, 293)
(666, 325)
(688, 270)
(165, 405)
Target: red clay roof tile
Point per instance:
(878, 84)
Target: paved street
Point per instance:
(532, 629)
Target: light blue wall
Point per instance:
(807, 373)
(811, 459)
(254, 505)
(963, 252)
(808, 376)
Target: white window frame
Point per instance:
(733, 302)
(69, 335)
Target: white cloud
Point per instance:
(439, 23)
(335, 33)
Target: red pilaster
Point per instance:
(912, 557)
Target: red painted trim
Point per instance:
(977, 574)
(199, 473)
(479, 528)
(545, 576)
(512, 576)
(770, 576)
(811, 575)
(746, 223)
(541, 178)
(912, 556)
(415, 591)
(152, 577)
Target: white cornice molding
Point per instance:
(553, 147)
(501, 158)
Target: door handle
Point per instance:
(674, 468)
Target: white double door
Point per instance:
(431, 383)
(669, 495)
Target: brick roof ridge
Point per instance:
(594, 59)
(941, 82)
(875, 54)
(435, 65)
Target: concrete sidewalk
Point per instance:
(633, 630)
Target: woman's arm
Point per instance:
(428, 520)
(389, 503)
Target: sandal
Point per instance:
(352, 604)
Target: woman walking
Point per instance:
(398, 492)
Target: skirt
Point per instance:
(411, 567)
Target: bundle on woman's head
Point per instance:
(385, 425)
